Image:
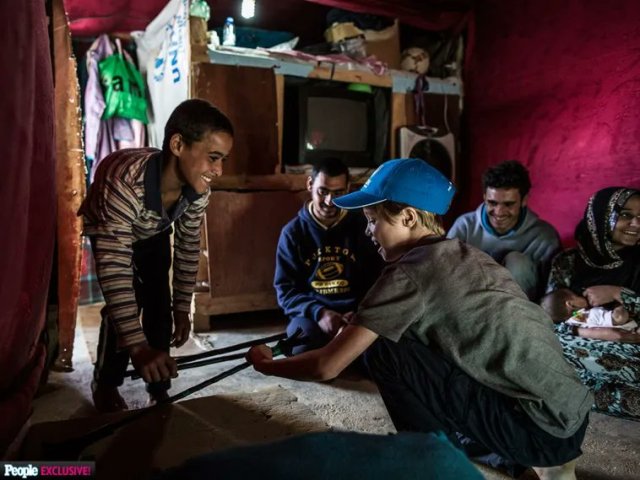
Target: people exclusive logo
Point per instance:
(41, 469)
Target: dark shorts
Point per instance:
(426, 392)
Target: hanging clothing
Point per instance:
(102, 137)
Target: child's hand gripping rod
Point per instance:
(283, 347)
(183, 362)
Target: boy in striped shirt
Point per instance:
(136, 198)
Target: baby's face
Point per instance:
(576, 302)
(620, 315)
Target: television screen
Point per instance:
(336, 124)
(330, 119)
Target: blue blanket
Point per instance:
(333, 456)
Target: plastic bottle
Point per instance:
(200, 9)
(228, 32)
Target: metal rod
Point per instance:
(202, 363)
(206, 383)
(218, 351)
(231, 348)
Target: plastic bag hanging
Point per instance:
(124, 89)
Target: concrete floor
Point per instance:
(349, 403)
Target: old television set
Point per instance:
(334, 119)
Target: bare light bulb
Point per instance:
(248, 8)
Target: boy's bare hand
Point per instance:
(348, 316)
(330, 322)
(182, 327)
(258, 354)
(153, 365)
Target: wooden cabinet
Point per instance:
(251, 202)
(242, 235)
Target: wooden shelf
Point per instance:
(351, 76)
(283, 64)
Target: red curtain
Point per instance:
(28, 205)
(94, 17)
(557, 86)
(426, 14)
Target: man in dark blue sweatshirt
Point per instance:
(325, 262)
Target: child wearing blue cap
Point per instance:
(452, 342)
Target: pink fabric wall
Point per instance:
(94, 17)
(555, 85)
(426, 14)
(28, 202)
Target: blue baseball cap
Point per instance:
(404, 180)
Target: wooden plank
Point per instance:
(243, 230)
(244, 302)
(399, 119)
(198, 36)
(280, 106)
(70, 182)
(351, 76)
(248, 96)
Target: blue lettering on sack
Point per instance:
(174, 32)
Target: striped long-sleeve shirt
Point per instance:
(124, 205)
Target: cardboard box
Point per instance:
(383, 44)
(341, 31)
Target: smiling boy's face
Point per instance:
(503, 207)
(200, 162)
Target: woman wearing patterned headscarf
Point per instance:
(605, 269)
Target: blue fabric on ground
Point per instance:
(334, 455)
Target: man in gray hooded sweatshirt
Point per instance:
(506, 229)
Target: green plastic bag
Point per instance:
(124, 91)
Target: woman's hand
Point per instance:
(602, 294)
(609, 334)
